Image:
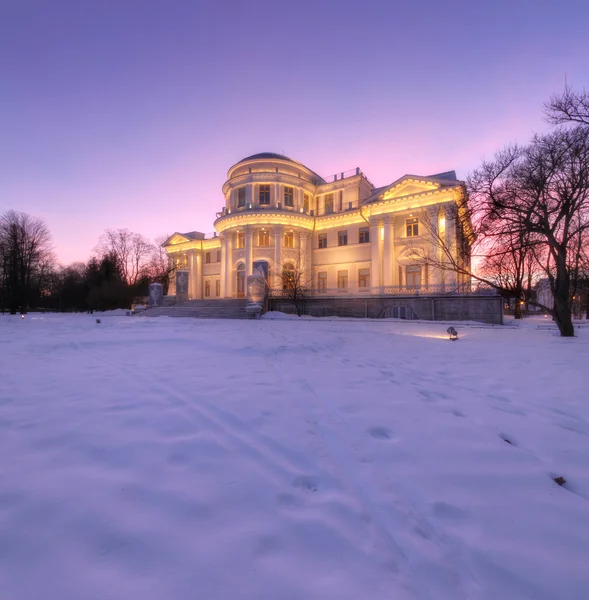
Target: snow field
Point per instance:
(291, 459)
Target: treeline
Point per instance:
(124, 265)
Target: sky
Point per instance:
(128, 113)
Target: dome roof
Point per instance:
(271, 155)
(274, 156)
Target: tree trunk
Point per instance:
(562, 315)
(517, 313)
(562, 305)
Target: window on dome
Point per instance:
(288, 196)
(241, 197)
(264, 194)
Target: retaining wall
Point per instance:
(486, 309)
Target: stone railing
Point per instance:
(394, 290)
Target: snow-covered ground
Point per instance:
(180, 459)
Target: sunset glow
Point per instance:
(126, 115)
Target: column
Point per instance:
(388, 251)
(277, 197)
(172, 275)
(450, 239)
(229, 265)
(277, 283)
(249, 250)
(198, 276)
(250, 195)
(223, 264)
(306, 253)
(435, 275)
(192, 274)
(375, 246)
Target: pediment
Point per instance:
(176, 238)
(408, 186)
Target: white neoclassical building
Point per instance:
(341, 233)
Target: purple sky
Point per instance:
(128, 113)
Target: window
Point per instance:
(288, 276)
(240, 239)
(207, 289)
(288, 196)
(322, 281)
(412, 227)
(218, 255)
(264, 194)
(217, 287)
(363, 278)
(240, 197)
(306, 203)
(263, 238)
(413, 276)
(328, 204)
(322, 239)
(240, 275)
(342, 238)
(289, 239)
(207, 258)
(364, 237)
(342, 280)
(341, 200)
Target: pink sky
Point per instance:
(128, 115)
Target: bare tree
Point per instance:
(543, 191)
(296, 279)
(159, 267)
(529, 207)
(132, 251)
(568, 107)
(26, 259)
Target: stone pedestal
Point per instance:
(156, 294)
(182, 287)
(256, 289)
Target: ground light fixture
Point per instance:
(452, 333)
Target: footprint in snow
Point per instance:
(380, 433)
(306, 483)
(446, 511)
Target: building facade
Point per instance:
(338, 235)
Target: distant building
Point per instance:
(544, 293)
(345, 235)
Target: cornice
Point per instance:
(265, 217)
(420, 200)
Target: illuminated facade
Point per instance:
(341, 234)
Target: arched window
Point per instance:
(240, 274)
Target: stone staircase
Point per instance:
(224, 308)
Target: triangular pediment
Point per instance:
(411, 185)
(176, 238)
(407, 186)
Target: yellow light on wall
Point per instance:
(442, 222)
(382, 233)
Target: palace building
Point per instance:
(340, 235)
